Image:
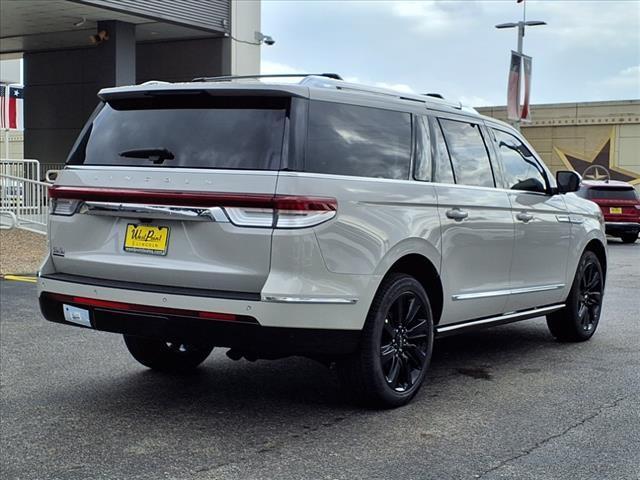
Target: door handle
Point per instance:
(457, 214)
(524, 216)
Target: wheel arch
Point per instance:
(423, 270)
(600, 251)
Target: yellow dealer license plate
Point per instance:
(146, 239)
(615, 210)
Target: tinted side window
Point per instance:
(362, 141)
(521, 170)
(423, 150)
(442, 170)
(469, 155)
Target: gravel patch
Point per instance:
(21, 252)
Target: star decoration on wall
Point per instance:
(601, 162)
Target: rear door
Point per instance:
(172, 190)
(542, 228)
(477, 227)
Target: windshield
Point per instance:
(196, 131)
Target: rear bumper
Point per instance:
(618, 228)
(243, 336)
(261, 326)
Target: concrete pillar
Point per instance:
(118, 54)
(61, 88)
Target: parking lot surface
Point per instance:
(508, 402)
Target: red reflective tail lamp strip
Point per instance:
(131, 307)
(195, 199)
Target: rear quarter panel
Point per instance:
(378, 221)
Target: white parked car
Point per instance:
(341, 222)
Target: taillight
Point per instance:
(288, 211)
(64, 206)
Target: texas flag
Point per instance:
(11, 107)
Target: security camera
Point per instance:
(266, 39)
(101, 36)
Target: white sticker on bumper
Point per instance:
(77, 315)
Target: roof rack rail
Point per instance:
(353, 87)
(225, 78)
(434, 95)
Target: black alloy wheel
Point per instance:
(578, 320)
(404, 344)
(590, 295)
(395, 348)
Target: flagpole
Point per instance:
(520, 30)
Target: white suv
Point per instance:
(341, 222)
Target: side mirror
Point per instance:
(568, 181)
(530, 185)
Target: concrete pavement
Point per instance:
(508, 402)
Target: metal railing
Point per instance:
(24, 202)
(24, 168)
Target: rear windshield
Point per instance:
(612, 193)
(196, 131)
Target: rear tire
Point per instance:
(166, 356)
(578, 320)
(629, 237)
(394, 353)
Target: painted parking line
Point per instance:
(20, 278)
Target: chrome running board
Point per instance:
(445, 330)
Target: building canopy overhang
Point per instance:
(36, 25)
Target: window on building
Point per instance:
(360, 141)
(469, 156)
(521, 170)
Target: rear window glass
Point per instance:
(186, 131)
(611, 193)
(469, 155)
(361, 141)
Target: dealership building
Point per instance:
(73, 48)
(576, 136)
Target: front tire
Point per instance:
(629, 237)
(578, 320)
(166, 356)
(391, 362)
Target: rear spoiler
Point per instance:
(108, 94)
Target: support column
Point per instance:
(118, 54)
(61, 88)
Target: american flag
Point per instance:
(11, 107)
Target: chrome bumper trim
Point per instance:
(163, 212)
(308, 300)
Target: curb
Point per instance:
(28, 278)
